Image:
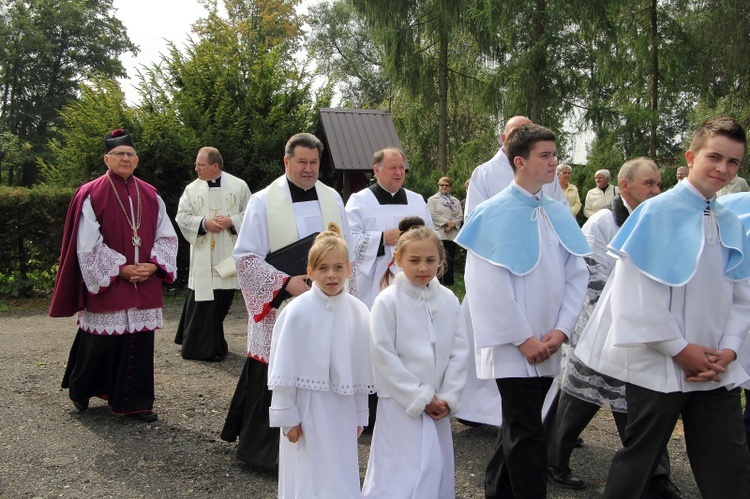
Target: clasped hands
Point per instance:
(217, 223)
(138, 272)
(537, 351)
(437, 409)
(703, 364)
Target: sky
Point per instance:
(150, 23)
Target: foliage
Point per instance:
(76, 156)
(417, 39)
(351, 52)
(346, 54)
(641, 92)
(32, 233)
(235, 86)
(49, 47)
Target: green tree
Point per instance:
(50, 47)
(352, 51)
(237, 87)
(415, 37)
(346, 55)
(641, 87)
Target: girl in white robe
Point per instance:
(419, 351)
(320, 372)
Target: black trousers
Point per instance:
(518, 467)
(248, 418)
(201, 328)
(566, 420)
(714, 438)
(450, 256)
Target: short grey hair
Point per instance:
(562, 167)
(604, 172)
(629, 168)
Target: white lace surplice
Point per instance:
(100, 265)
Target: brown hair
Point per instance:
(413, 229)
(212, 156)
(446, 180)
(326, 242)
(522, 139)
(724, 126)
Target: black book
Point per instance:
(292, 259)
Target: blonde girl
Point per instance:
(419, 352)
(320, 372)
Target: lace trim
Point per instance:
(321, 386)
(164, 252)
(259, 336)
(259, 281)
(353, 288)
(586, 384)
(127, 321)
(360, 249)
(99, 267)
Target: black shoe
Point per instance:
(565, 479)
(466, 422)
(661, 487)
(146, 417)
(579, 443)
(82, 405)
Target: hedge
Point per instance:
(31, 228)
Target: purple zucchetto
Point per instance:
(118, 137)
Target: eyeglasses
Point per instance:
(200, 165)
(444, 185)
(122, 154)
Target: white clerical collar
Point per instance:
(627, 205)
(523, 191)
(386, 190)
(695, 191)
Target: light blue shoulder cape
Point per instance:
(739, 204)
(504, 230)
(664, 237)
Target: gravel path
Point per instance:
(48, 449)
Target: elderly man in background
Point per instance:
(571, 191)
(209, 215)
(118, 247)
(373, 216)
(737, 184)
(682, 173)
(447, 216)
(600, 196)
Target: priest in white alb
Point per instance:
(373, 215)
(209, 216)
(291, 208)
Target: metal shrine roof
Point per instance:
(353, 135)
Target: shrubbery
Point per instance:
(31, 227)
